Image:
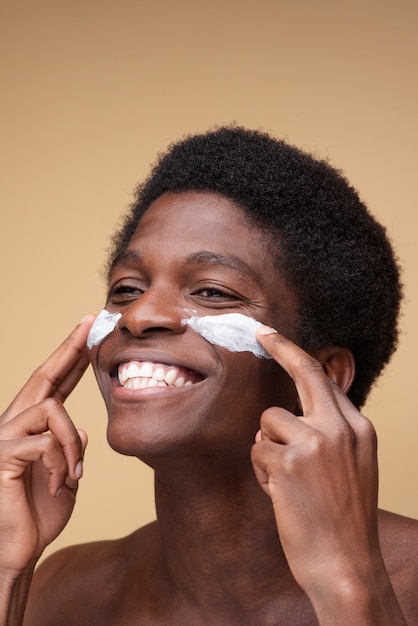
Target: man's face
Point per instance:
(192, 254)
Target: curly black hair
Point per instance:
(333, 253)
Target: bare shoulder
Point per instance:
(90, 583)
(399, 542)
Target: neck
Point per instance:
(219, 538)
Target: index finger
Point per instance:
(306, 372)
(59, 374)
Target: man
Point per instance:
(281, 531)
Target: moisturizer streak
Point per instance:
(233, 331)
(103, 325)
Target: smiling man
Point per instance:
(265, 470)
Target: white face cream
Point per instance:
(104, 323)
(233, 331)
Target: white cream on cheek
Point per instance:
(103, 325)
(233, 331)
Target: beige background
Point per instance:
(92, 90)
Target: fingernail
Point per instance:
(84, 318)
(59, 492)
(266, 330)
(79, 469)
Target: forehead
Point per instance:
(182, 223)
(203, 214)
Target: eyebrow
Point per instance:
(201, 257)
(124, 258)
(214, 259)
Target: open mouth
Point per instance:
(142, 374)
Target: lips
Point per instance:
(142, 374)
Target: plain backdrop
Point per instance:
(92, 90)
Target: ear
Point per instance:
(339, 365)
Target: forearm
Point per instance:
(14, 591)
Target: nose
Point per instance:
(153, 311)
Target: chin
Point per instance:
(149, 438)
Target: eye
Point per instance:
(123, 293)
(215, 296)
(211, 292)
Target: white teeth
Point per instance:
(136, 375)
(159, 373)
(132, 370)
(146, 370)
(171, 376)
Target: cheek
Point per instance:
(281, 388)
(101, 377)
(252, 385)
(93, 353)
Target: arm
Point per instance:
(41, 455)
(320, 471)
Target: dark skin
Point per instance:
(220, 553)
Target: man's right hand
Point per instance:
(41, 456)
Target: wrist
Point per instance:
(364, 600)
(8, 575)
(14, 589)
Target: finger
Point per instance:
(352, 414)
(306, 372)
(59, 374)
(265, 457)
(366, 437)
(50, 415)
(280, 426)
(70, 381)
(64, 368)
(83, 438)
(84, 441)
(17, 454)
